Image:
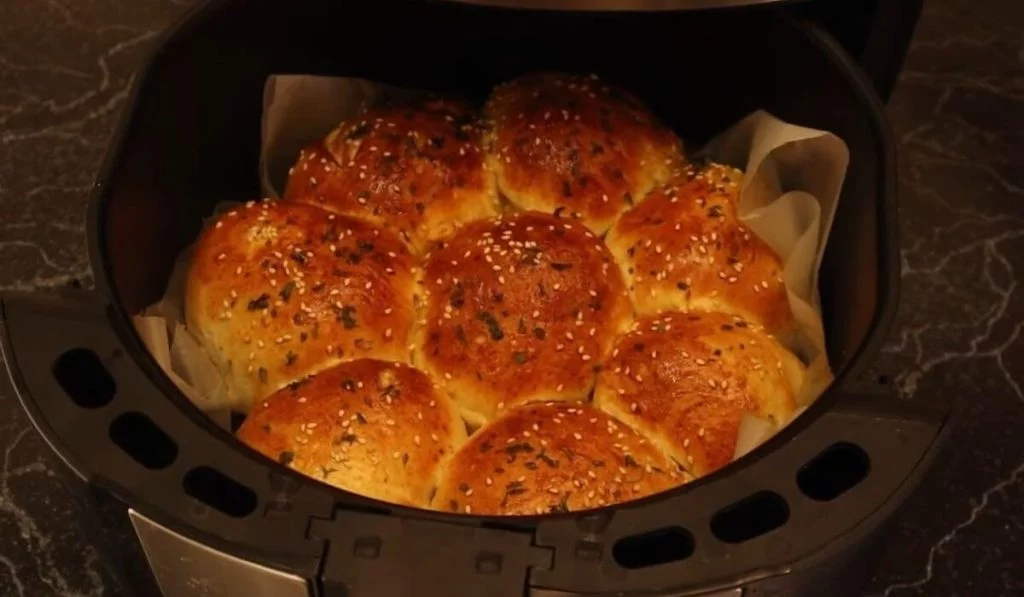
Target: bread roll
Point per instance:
(518, 308)
(376, 428)
(277, 290)
(577, 146)
(416, 166)
(553, 457)
(685, 380)
(685, 249)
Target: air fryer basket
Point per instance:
(797, 516)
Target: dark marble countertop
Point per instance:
(65, 71)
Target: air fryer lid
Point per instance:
(190, 140)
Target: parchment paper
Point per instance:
(789, 195)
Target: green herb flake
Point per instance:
(492, 325)
(287, 290)
(260, 302)
(347, 317)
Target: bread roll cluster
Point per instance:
(540, 307)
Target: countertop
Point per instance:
(958, 110)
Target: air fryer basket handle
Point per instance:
(97, 407)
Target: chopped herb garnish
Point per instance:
(286, 292)
(522, 326)
(566, 189)
(513, 450)
(630, 462)
(457, 297)
(361, 418)
(298, 257)
(460, 334)
(547, 459)
(560, 267)
(260, 302)
(492, 325)
(303, 336)
(347, 317)
(627, 198)
(365, 246)
(485, 446)
(715, 211)
(405, 458)
(437, 142)
(262, 373)
(286, 457)
(519, 357)
(347, 438)
(325, 470)
(290, 358)
(316, 330)
(512, 489)
(265, 427)
(562, 506)
(682, 286)
(726, 327)
(530, 465)
(420, 208)
(539, 333)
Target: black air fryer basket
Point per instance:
(180, 507)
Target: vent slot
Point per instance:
(670, 544)
(220, 492)
(84, 378)
(750, 517)
(139, 437)
(838, 469)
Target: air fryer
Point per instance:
(179, 507)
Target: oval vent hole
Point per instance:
(220, 492)
(750, 517)
(139, 437)
(662, 546)
(84, 378)
(838, 469)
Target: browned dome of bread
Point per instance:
(686, 380)
(553, 457)
(684, 248)
(576, 145)
(518, 308)
(376, 428)
(277, 290)
(416, 166)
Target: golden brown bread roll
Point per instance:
(577, 146)
(277, 290)
(685, 249)
(416, 166)
(553, 457)
(518, 308)
(685, 380)
(376, 428)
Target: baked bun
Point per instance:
(686, 380)
(553, 457)
(416, 166)
(277, 290)
(577, 146)
(372, 427)
(518, 308)
(684, 248)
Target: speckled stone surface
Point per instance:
(65, 70)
